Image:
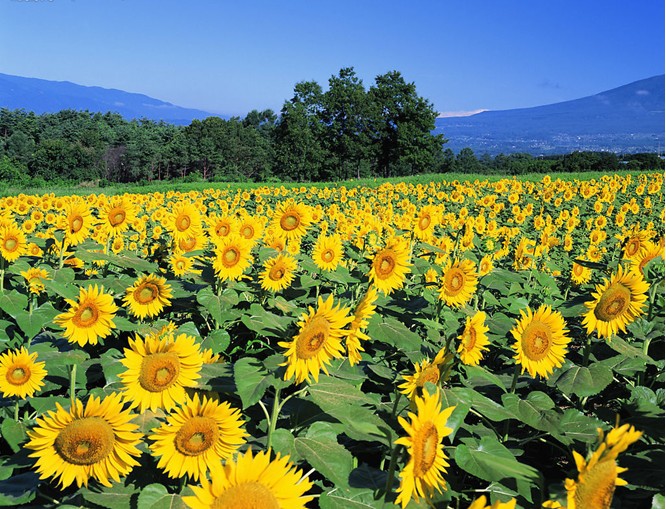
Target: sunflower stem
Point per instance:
(272, 423)
(16, 410)
(2, 274)
(391, 472)
(588, 349)
(72, 385)
(515, 379)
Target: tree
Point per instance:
(402, 125)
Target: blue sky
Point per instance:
(233, 56)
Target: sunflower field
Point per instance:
(449, 344)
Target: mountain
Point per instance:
(626, 119)
(44, 96)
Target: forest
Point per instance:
(341, 133)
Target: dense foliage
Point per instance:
(419, 344)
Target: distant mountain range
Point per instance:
(44, 96)
(626, 119)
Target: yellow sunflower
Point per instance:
(96, 441)
(426, 220)
(481, 503)
(541, 341)
(473, 340)
(327, 252)
(184, 221)
(598, 476)
(250, 228)
(79, 220)
(20, 375)
(486, 265)
(219, 226)
(617, 302)
(426, 371)
(147, 296)
(117, 215)
(635, 243)
(89, 318)
(458, 282)
(12, 241)
(364, 310)
(182, 265)
(250, 482)
(34, 278)
(649, 252)
(197, 436)
(278, 272)
(159, 368)
(580, 274)
(232, 257)
(427, 462)
(291, 220)
(390, 265)
(317, 342)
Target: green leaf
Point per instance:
(118, 496)
(221, 308)
(283, 442)
(13, 303)
(18, 489)
(485, 406)
(622, 347)
(354, 499)
(265, 323)
(217, 340)
(40, 318)
(657, 501)
(252, 380)
(395, 333)
(535, 411)
(575, 425)
(14, 433)
(156, 496)
(327, 456)
(583, 381)
(476, 375)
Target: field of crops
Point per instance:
(450, 344)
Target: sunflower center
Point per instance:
(430, 374)
(85, 441)
(146, 293)
(613, 303)
(18, 375)
(159, 371)
(597, 490)
(230, 257)
(183, 222)
(117, 216)
(536, 340)
(632, 247)
(384, 265)
(290, 221)
(11, 243)
(312, 338)
(222, 230)
(86, 316)
(469, 338)
(454, 280)
(248, 495)
(247, 231)
(578, 269)
(276, 273)
(187, 244)
(196, 436)
(328, 255)
(424, 222)
(426, 442)
(75, 224)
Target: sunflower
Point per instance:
(12, 241)
(96, 441)
(184, 222)
(317, 342)
(88, 318)
(541, 341)
(182, 265)
(197, 436)
(291, 220)
(427, 462)
(78, 222)
(117, 215)
(580, 274)
(364, 310)
(232, 257)
(635, 243)
(278, 272)
(250, 228)
(598, 476)
(327, 252)
(159, 367)
(649, 252)
(20, 375)
(426, 371)
(250, 482)
(481, 503)
(147, 296)
(34, 278)
(473, 340)
(617, 302)
(426, 220)
(219, 226)
(486, 265)
(390, 265)
(458, 282)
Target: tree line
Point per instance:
(344, 132)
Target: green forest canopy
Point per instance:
(345, 132)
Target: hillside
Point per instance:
(625, 119)
(44, 96)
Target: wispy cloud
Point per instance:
(549, 84)
(449, 114)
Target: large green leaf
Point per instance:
(396, 333)
(252, 379)
(156, 496)
(13, 303)
(536, 410)
(485, 406)
(40, 318)
(18, 489)
(265, 323)
(118, 496)
(220, 307)
(14, 433)
(585, 381)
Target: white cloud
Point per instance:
(450, 114)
